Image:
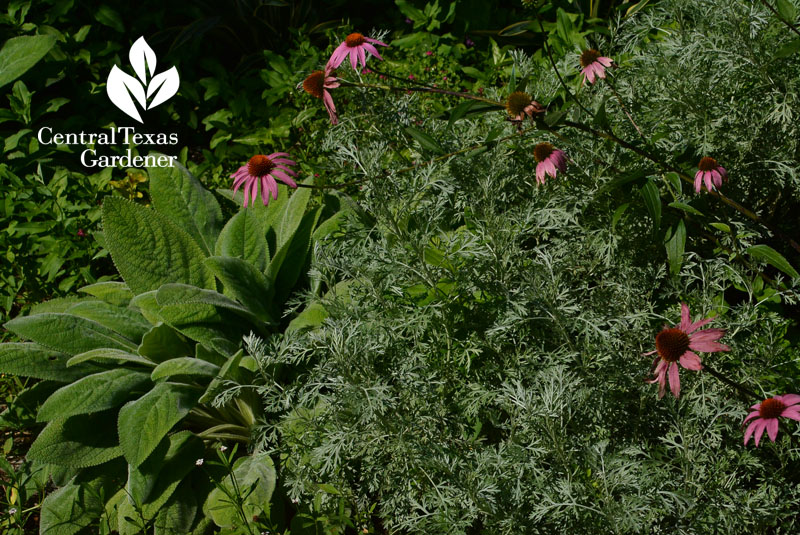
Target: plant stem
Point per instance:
(624, 109)
(780, 18)
(730, 382)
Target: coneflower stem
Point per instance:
(624, 109)
(730, 382)
(780, 18)
(555, 68)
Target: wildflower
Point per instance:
(409, 21)
(676, 345)
(199, 462)
(550, 161)
(444, 78)
(594, 65)
(12, 511)
(355, 46)
(410, 76)
(766, 416)
(317, 84)
(223, 448)
(264, 169)
(469, 42)
(709, 171)
(429, 52)
(81, 233)
(519, 104)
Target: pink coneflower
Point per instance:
(766, 416)
(355, 45)
(550, 161)
(317, 84)
(594, 65)
(519, 105)
(676, 345)
(81, 233)
(264, 169)
(429, 52)
(709, 171)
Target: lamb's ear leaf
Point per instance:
(33, 360)
(143, 423)
(150, 250)
(77, 504)
(67, 333)
(244, 237)
(245, 283)
(77, 441)
(179, 196)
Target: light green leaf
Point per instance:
(75, 506)
(228, 371)
(143, 423)
(162, 343)
(149, 250)
(77, 441)
(255, 478)
(425, 140)
(93, 393)
(113, 293)
(67, 333)
(170, 295)
(310, 318)
(21, 53)
(33, 360)
(127, 322)
(675, 247)
(184, 366)
(245, 283)
(178, 195)
(773, 258)
(286, 224)
(245, 237)
(685, 207)
(288, 263)
(652, 200)
(109, 356)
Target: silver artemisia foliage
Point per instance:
(482, 372)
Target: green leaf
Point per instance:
(21, 53)
(177, 516)
(245, 283)
(652, 201)
(228, 371)
(33, 360)
(178, 195)
(792, 47)
(154, 481)
(255, 478)
(75, 506)
(109, 356)
(93, 393)
(424, 139)
(517, 28)
(162, 343)
(288, 263)
(721, 226)
(67, 333)
(460, 111)
(184, 366)
(288, 220)
(127, 322)
(685, 207)
(21, 411)
(170, 295)
(310, 318)
(773, 258)
(110, 17)
(786, 10)
(674, 180)
(149, 250)
(113, 293)
(143, 423)
(676, 244)
(77, 441)
(244, 237)
(618, 214)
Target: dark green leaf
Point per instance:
(773, 258)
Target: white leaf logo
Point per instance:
(125, 91)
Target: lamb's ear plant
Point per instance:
(129, 371)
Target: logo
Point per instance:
(121, 86)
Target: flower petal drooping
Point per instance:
(677, 345)
(593, 65)
(709, 172)
(356, 46)
(264, 170)
(550, 161)
(765, 416)
(317, 85)
(520, 105)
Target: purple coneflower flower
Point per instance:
(594, 65)
(766, 416)
(264, 169)
(355, 45)
(429, 53)
(317, 85)
(709, 171)
(676, 345)
(550, 161)
(519, 105)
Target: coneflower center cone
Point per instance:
(259, 165)
(588, 57)
(771, 408)
(707, 164)
(671, 344)
(542, 151)
(314, 84)
(517, 102)
(354, 40)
